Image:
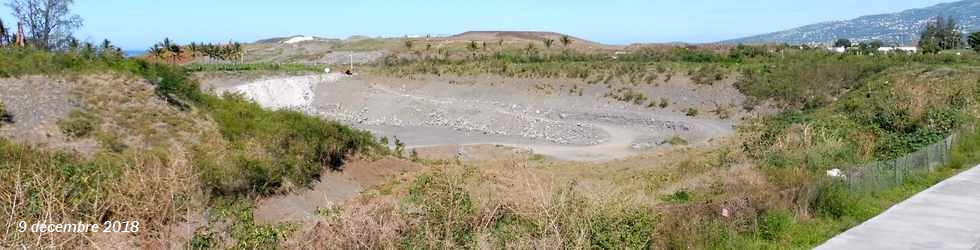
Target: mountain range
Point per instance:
(900, 28)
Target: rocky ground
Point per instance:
(563, 118)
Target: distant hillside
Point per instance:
(519, 36)
(282, 39)
(902, 27)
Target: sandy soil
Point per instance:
(332, 190)
(37, 103)
(539, 115)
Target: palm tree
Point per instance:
(175, 51)
(548, 43)
(565, 41)
(166, 43)
(156, 51)
(108, 49)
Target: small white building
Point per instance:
(911, 50)
(899, 49)
(298, 39)
(837, 49)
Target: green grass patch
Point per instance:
(236, 213)
(79, 124)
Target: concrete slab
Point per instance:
(945, 216)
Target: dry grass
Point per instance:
(150, 178)
(548, 204)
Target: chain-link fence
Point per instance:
(885, 174)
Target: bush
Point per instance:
(692, 112)
(630, 229)
(680, 196)
(79, 124)
(676, 141)
(774, 224)
(835, 201)
(446, 212)
(707, 75)
(5, 117)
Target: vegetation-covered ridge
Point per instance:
(165, 146)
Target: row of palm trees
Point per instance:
(173, 52)
(106, 48)
(473, 45)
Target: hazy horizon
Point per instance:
(135, 25)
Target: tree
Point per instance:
(975, 41)
(941, 34)
(49, 22)
(156, 51)
(842, 43)
(3, 33)
(175, 52)
(73, 44)
(869, 48)
(109, 50)
(565, 41)
(876, 44)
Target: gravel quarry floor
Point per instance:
(540, 116)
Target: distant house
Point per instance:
(881, 50)
(912, 50)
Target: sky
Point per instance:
(137, 24)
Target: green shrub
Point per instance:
(707, 75)
(677, 141)
(774, 224)
(835, 201)
(680, 196)
(692, 112)
(446, 212)
(236, 213)
(5, 117)
(79, 124)
(629, 229)
(510, 227)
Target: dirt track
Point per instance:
(542, 116)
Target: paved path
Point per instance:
(945, 216)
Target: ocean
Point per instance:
(134, 53)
